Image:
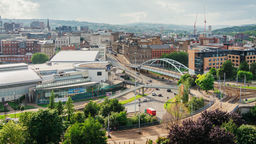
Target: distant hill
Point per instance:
(249, 29)
(134, 27)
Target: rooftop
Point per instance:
(18, 77)
(164, 46)
(75, 56)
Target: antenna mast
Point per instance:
(205, 17)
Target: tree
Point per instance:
(243, 66)
(89, 132)
(91, 109)
(205, 81)
(253, 70)
(205, 129)
(213, 72)
(218, 136)
(195, 104)
(250, 117)
(228, 69)
(242, 74)
(116, 119)
(59, 107)
(39, 58)
(110, 105)
(12, 133)
(246, 134)
(51, 101)
(44, 126)
(181, 57)
(69, 108)
(78, 117)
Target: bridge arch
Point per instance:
(177, 65)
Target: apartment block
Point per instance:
(203, 58)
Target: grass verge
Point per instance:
(131, 99)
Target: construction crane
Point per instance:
(195, 26)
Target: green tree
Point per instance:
(77, 117)
(89, 132)
(195, 104)
(205, 81)
(243, 66)
(181, 57)
(59, 107)
(253, 70)
(116, 119)
(69, 108)
(51, 101)
(241, 75)
(12, 133)
(228, 69)
(213, 72)
(91, 109)
(230, 126)
(44, 126)
(250, 117)
(110, 105)
(39, 58)
(185, 92)
(246, 134)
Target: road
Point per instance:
(154, 102)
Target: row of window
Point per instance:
(233, 57)
(252, 57)
(217, 59)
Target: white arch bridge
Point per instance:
(164, 66)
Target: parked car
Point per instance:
(157, 88)
(169, 90)
(150, 81)
(160, 95)
(153, 94)
(145, 100)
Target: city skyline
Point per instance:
(230, 12)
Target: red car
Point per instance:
(150, 111)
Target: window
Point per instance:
(99, 73)
(213, 63)
(210, 64)
(210, 60)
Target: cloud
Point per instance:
(134, 17)
(18, 9)
(218, 12)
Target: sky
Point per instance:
(181, 12)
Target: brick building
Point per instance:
(203, 58)
(48, 48)
(159, 50)
(13, 50)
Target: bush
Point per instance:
(246, 134)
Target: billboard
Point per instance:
(76, 90)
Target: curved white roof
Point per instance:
(18, 77)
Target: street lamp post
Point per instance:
(139, 117)
(14, 95)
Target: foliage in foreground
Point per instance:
(89, 132)
(205, 130)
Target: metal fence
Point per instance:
(135, 126)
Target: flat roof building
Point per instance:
(75, 56)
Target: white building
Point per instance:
(16, 80)
(75, 56)
(66, 41)
(97, 71)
